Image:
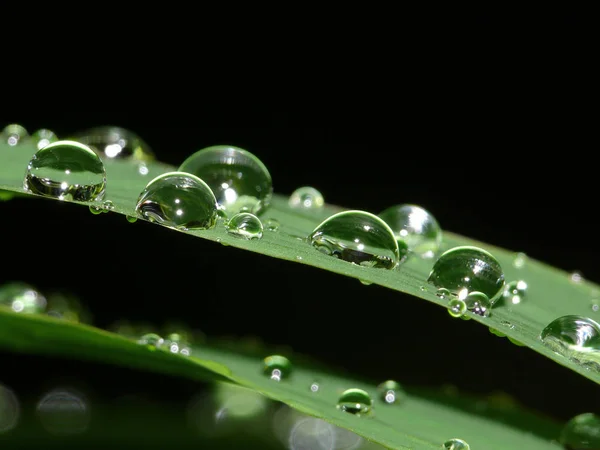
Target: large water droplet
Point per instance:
(13, 134)
(178, 200)
(455, 444)
(239, 180)
(457, 307)
(22, 298)
(43, 137)
(582, 432)
(245, 226)
(306, 197)
(468, 268)
(66, 170)
(478, 303)
(357, 237)
(390, 391)
(415, 228)
(574, 337)
(152, 340)
(277, 367)
(514, 292)
(355, 401)
(115, 143)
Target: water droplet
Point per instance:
(365, 282)
(175, 343)
(356, 402)
(239, 180)
(423, 288)
(103, 207)
(306, 197)
(574, 337)
(66, 170)
(272, 225)
(582, 432)
(443, 293)
(457, 307)
(519, 260)
(178, 200)
(277, 367)
(245, 225)
(314, 387)
(299, 258)
(108, 205)
(357, 237)
(415, 228)
(96, 209)
(22, 298)
(507, 324)
(115, 143)
(595, 307)
(43, 137)
(478, 303)
(13, 134)
(466, 269)
(390, 391)
(496, 332)
(64, 412)
(456, 444)
(131, 219)
(514, 292)
(576, 277)
(152, 340)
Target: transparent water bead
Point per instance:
(43, 137)
(13, 134)
(245, 226)
(277, 367)
(66, 170)
(355, 401)
(239, 180)
(582, 432)
(390, 392)
(478, 303)
(415, 228)
(357, 237)
(455, 444)
(272, 225)
(112, 142)
(178, 200)
(152, 340)
(22, 298)
(457, 307)
(468, 269)
(514, 292)
(176, 343)
(306, 197)
(574, 337)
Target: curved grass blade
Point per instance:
(551, 292)
(416, 423)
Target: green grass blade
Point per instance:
(419, 422)
(551, 293)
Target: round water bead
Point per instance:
(112, 142)
(245, 225)
(43, 137)
(277, 367)
(356, 402)
(390, 391)
(178, 200)
(415, 228)
(239, 180)
(152, 340)
(468, 269)
(13, 134)
(574, 337)
(272, 225)
(22, 298)
(582, 432)
(478, 303)
(457, 307)
(514, 292)
(306, 197)
(455, 444)
(176, 343)
(66, 170)
(357, 237)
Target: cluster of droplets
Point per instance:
(15, 134)
(174, 343)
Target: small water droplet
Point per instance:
(314, 387)
(108, 205)
(306, 197)
(178, 200)
(43, 137)
(455, 444)
(22, 298)
(514, 292)
(496, 332)
(355, 401)
(245, 225)
(66, 170)
(131, 219)
(467, 269)
(277, 367)
(272, 225)
(457, 307)
(299, 258)
(357, 237)
(519, 260)
(478, 303)
(239, 180)
(443, 293)
(115, 143)
(582, 432)
(152, 340)
(175, 343)
(595, 307)
(576, 277)
(574, 337)
(507, 324)
(390, 391)
(103, 207)
(415, 228)
(13, 134)
(365, 282)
